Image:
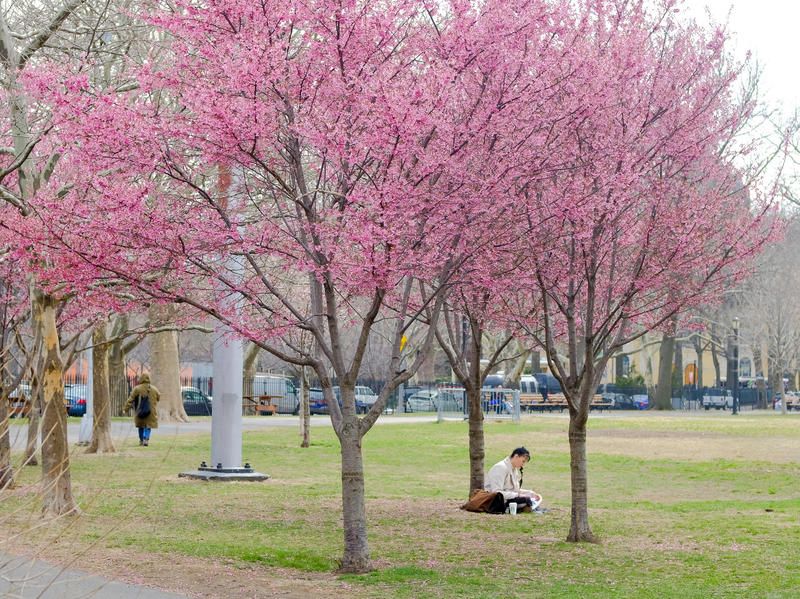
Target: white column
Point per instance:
(87, 422)
(226, 418)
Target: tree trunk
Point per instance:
(34, 420)
(715, 361)
(57, 499)
(6, 469)
(165, 372)
(511, 379)
(117, 373)
(758, 359)
(305, 409)
(536, 357)
(477, 452)
(356, 550)
(698, 381)
(250, 368)
(101, 399)
(579, 529)
(665, 360)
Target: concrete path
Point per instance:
(123, 430)
(22, 578)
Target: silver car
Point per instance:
(422, 401)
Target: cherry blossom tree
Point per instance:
(646, 218)
(293, 166)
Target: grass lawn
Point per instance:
(686, 505)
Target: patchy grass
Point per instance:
(686, 505)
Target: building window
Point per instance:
(745, 367)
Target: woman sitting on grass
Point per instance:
(506, 477)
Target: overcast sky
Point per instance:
(771, 30)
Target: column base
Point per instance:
(221, 474)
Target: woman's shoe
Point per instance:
(146, 443)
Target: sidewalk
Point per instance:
(123, 430)
(23, 578)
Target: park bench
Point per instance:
(529, 402)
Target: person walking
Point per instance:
(144, 401)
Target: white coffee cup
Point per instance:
(512, 508)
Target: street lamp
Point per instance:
(735, 366)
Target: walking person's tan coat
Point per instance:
(144, 388)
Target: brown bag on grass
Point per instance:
(486, 501)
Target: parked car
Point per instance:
(422, 401)
(451, 399)
(317, 402)
(365, 397)
(20, 401)
(640, 401)
(719, 399)
(195, 402)
(75, 399)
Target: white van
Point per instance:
(280, 388)
(719, 399)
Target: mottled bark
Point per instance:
(512, 377)
(34, 421)
(57, 499)
(165, 371)
(101, 398)
(250, 368)
(117, 372)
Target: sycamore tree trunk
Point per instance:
(305, 409)
(34, 420)
(117, 373)
(57, 499)
(513, 376)
(356, 548)
(6, 469)
(101, 398)
(579, 530)
(663, 399)
(250, 368)
(477, 452)
(165, 374)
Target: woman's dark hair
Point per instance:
(521, 451)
